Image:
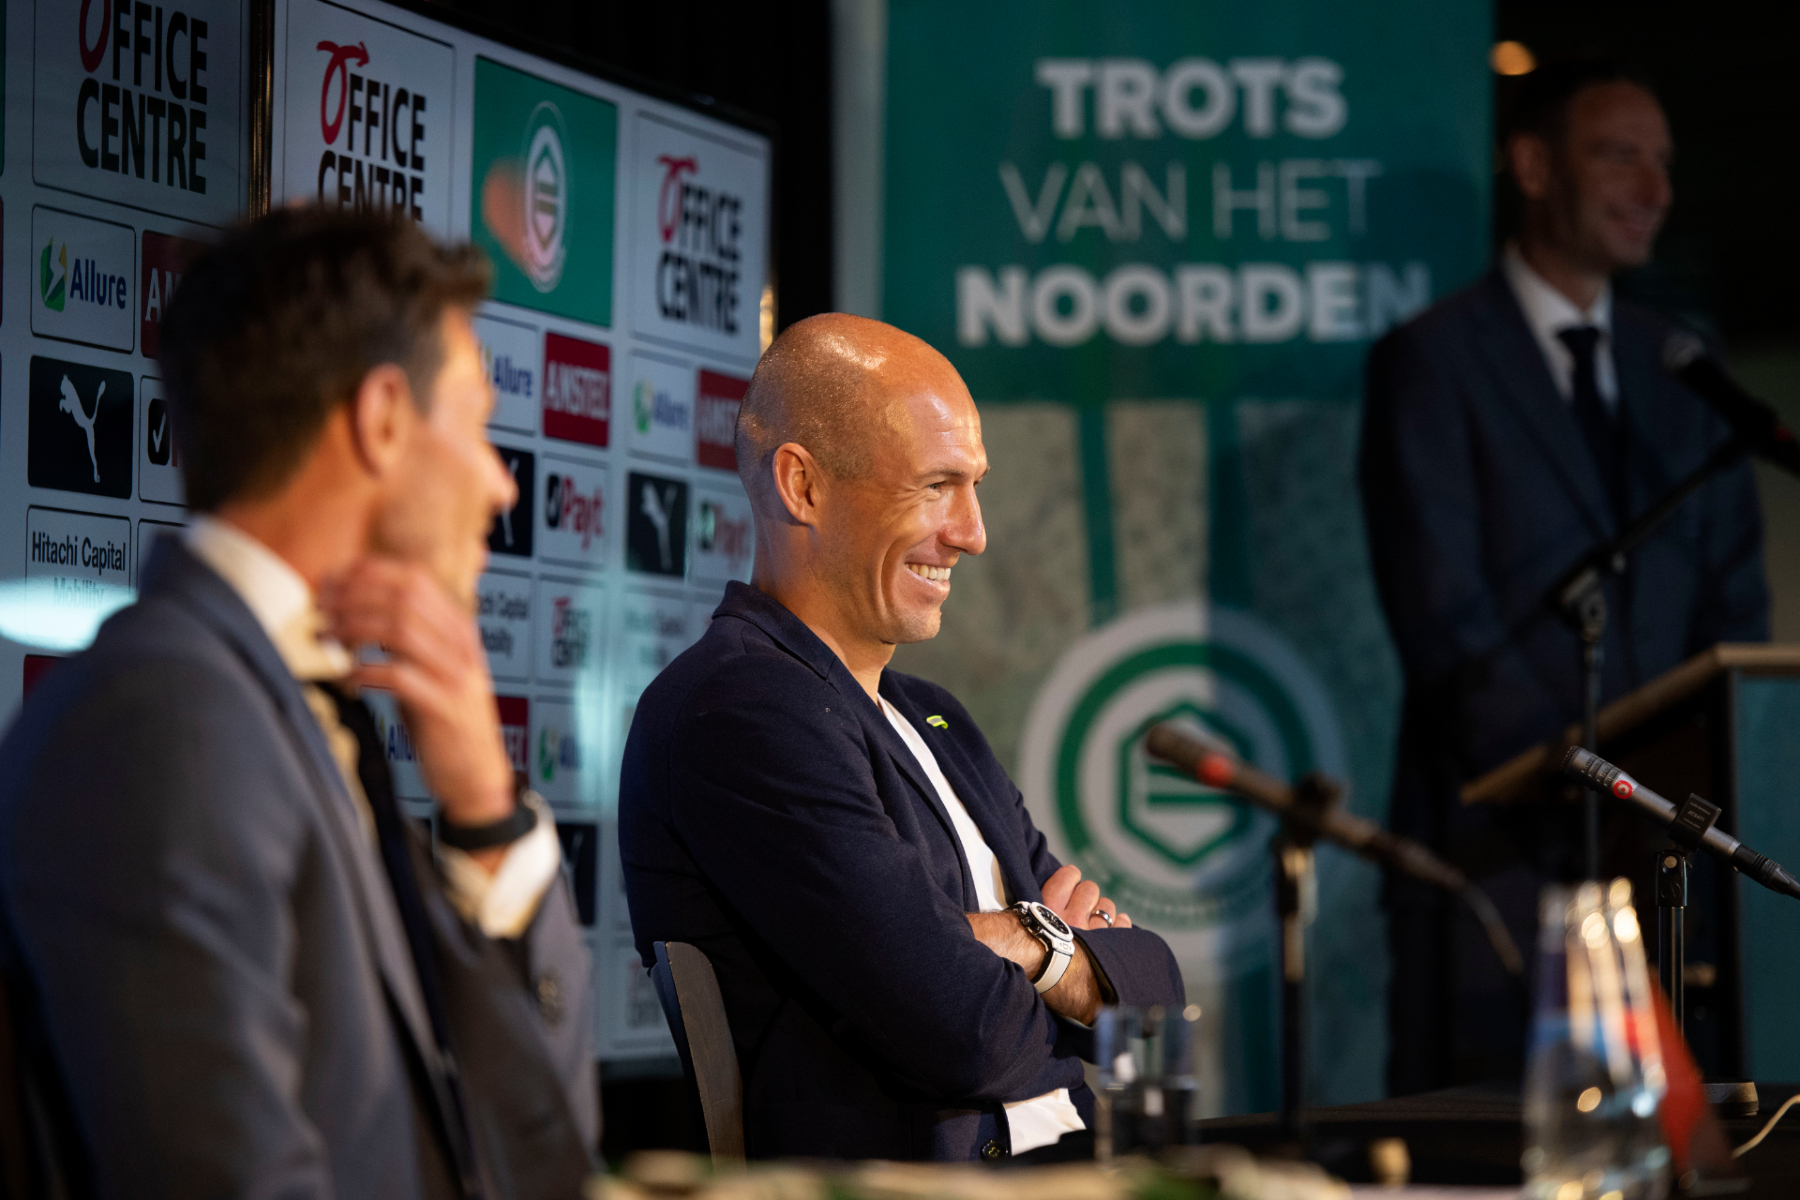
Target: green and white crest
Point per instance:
(1181, 857)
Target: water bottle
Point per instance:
(1595, 1079)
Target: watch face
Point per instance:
(1050, 920)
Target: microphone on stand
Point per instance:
(1588, 768)
(1215, 764)
(1755, 425)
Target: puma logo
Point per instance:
(71, 404)
(651, 504)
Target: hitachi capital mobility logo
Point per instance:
(546, 198)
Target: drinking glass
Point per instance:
(1595, 1078)
(1146, 1100)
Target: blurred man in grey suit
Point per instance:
(1509, 429)
(238, 969)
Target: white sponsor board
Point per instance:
(652, 628)
(630, 1016)
(141, 103)
(512, 356)
(698, 203)
(85, 272)
(660, 419)
(724, 535)
(368, 114)
(83, 559)
(503, 611)
(573, 524)
(568, 629)
(159, 464)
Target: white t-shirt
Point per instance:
(1042, 1120)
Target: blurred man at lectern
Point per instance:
(238, 967)
(1509, 429)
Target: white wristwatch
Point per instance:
(1042, 923)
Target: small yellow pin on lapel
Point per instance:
(938, 721)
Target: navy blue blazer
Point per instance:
(1479, 491)
(769, 814)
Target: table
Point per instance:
(1472, 1135)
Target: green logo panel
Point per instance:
(542, 191)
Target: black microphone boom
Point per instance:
(1754, 424)
(1214, 763)
(1587, 768)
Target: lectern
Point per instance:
(1725, 724)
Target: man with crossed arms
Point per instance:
(886, 923)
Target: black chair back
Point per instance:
(691, 1000)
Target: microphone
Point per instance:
(1584, 767)
(1752, 422)
(1215, 764)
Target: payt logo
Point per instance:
(574, 501)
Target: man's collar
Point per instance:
(275, 594)
(1547, 310)
(770, 615)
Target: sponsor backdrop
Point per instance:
(125, 144)
(1157, 241)
(628, 314)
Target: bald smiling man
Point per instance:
(907, 970)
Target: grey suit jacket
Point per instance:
(208, 951)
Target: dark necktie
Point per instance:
(1599, 428)
(396, 858)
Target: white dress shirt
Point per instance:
(501, 904)
(1042, 1120)
(1549, 312)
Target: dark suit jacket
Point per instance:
(770, 815)
(206, 950)
(1479, 491)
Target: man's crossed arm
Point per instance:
(1080, 992)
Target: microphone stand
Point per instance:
(1579, 597)
(1296, 902)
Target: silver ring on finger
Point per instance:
(1103, 915)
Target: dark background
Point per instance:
(1728, 262)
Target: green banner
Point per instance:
(1157, 240)
(542, 189)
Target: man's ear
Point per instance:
(798, 482)
(1528, 158)
(382, 419)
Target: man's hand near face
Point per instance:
(1078, 994)
(438, 671)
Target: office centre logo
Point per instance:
(1174, 853)
(546, 196)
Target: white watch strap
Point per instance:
(1053, 970)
